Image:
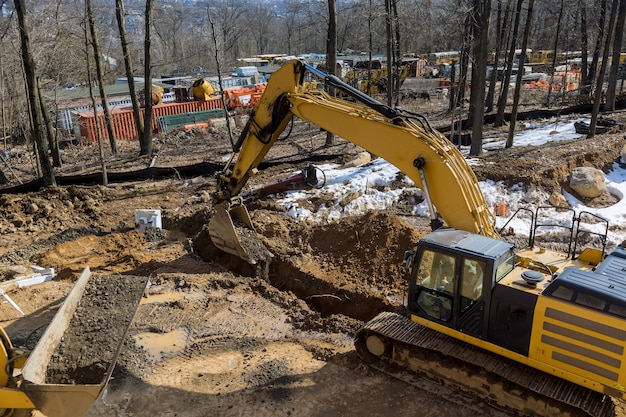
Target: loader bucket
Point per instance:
(231, 230)
(73, 400)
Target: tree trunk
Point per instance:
(605, 57)
(596, 52)
(397, 55)
(370, 47)
(617, 47)
(389, 52)
(556, 44)
(520, 73)
(331, 54)
(219, 77)
(493, 79)
(94, 105)
(481, 16)
(121, 25)
(100, 78)
(37, 127)
(451, 89)
(509, 68)
(584, 71)
(146, 140)
(465, 58)
(54, 144)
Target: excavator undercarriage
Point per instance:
(505, 384)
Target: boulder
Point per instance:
(557, 200)
(587, 182)
(359, 160)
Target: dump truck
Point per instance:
(29, 381)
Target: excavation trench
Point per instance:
(326, 297)
(351, 267)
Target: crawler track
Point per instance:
(506, 384)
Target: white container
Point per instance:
(147, 218)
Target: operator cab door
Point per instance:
(448, 288)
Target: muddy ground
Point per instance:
(210, 336)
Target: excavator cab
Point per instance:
(451, 280)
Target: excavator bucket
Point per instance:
(231, 230)
(73, 399)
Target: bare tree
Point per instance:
(466, 47)
(481, 13)
(94, 105)
(520, 73)
(99, 77)
(396, 54)
(216, 47)
(145, 141)
(499, 121)
(128, 65)
(584, 71)
(554, 52)
(331, 53)
(615, 61)
(389, 49)
(501, 26)
(605, 58)
(50, 132)
(596, 51)
(37, 126)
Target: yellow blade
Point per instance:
(231, 230)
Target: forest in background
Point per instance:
(178, 37)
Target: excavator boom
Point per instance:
(404, 139)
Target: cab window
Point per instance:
(436, 276)
(471, 283)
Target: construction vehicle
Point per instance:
(202, 89)
(371, 77)
(530, 330)
(24, 383)
(156, 94)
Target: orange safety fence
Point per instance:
(123, 120)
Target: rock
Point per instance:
(349, 198)
(18, 222)
(359, 160)
(624, 154)
(32, 208)
(587, 182)
(558, 200)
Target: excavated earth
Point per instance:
(212, 334)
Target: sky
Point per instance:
(369, 182)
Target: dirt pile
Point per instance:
(96, 329)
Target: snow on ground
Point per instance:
(367, 185)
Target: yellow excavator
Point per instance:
(530, 330)
(371, 77)
(25, 383)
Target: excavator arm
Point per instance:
(404, 139)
